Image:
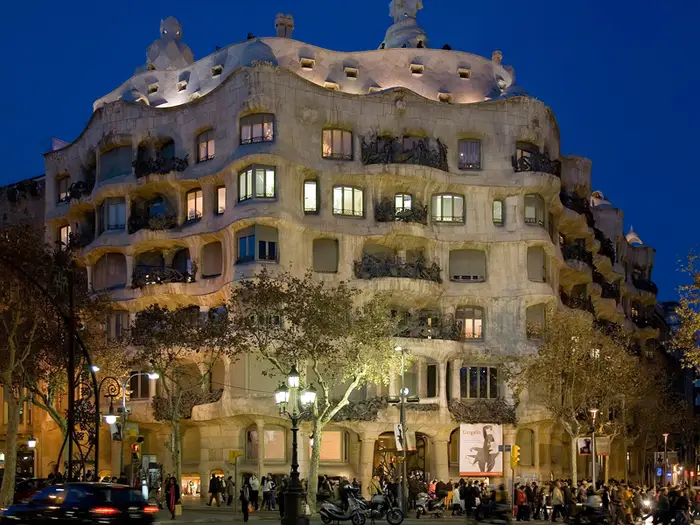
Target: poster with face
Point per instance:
(584, 446)
(478, 450)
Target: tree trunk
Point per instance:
(177, 451)
(313, 467)
(7, 491)
(607, 469)
(574, 458)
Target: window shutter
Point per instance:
(535, 264)
(468, 265)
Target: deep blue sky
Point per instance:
(621, 76)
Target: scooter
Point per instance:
(382, 505)
(334, 512)
(429, 507)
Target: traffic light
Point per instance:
(136, 451)
(515, 456)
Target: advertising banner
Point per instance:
(478, 450)
(602, 446)
(584, 446)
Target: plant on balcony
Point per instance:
(537, 162)
(385, 211)
(81, 238)
(497, 411)
(161, 221)
(607, 248)
(611, 291)
(366, 410)
(382, 149)
(159, 165)
(326, 331)
(578, 204)
(372, 267)
(421, 326)
(183, 348)
(151, 275)
(577, 252)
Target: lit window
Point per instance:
(337, 144)
(448, 208)
(471, 319)
(256, 182)
(348, 201)
(205, 146)
(194, 204)
(64, 235)
(497, 212)
(470, 154)
(402, 202)
(478, 382)
(62, 185)
(139, 385)
(220, 199)
(310, 196)
(258, 128)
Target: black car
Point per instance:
(99, 503)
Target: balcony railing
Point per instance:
(386, 211)
(435, 327)
(577, 253)
(143, 167)
(372, 267)
(162, 221)
(148, 275)
(607, 248)
(578, 204)
(537, 162)
(611, 291)
(580, 303)
(81, 238)
(396, 150)
(645, 285)
(642, 321)
(80, 189)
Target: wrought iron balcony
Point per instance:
(386, 211)
(148, 275)
(80, 189)
(404, 150)
(162, 221)
(642, 321)
(611, 291)
(578, 204)
(645, 285)
(429, 327)
(577, 253)
(537, 162)
(143, 167)
(372, 267)
(580, 303)
(81, 238)
(607, 248)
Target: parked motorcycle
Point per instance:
(334, 512)
(382, 505)
(430, 507)
(498, 514)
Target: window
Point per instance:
(337, 144)
(156, 207)
(348, 201)
(468, 265)
(62, 185)
(536, 270)
(471, 321)
(333, 446)
(195, 202)
(325, 255)
(140, 385)
(220, 200)
(116, 324)
(256, 182)
(470, 154)
(212, 257)
(257, 128)
(478, 382)
(534, 209)
(498, 213)
(112, 214)
(448, 208)
(266, 239)
(535, 321)
(274, 445)
(525, 150)
(403, 202)
(115, 163)
(267, 250)
(64, 235)
(205, 146)
(246, 249)
(310, 196)
(432, 380)
(109, 272)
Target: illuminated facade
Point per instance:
(427, 173)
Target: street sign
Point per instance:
(233, 455)
(504, 448)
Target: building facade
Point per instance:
(426, 173)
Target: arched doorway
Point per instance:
(387, 459)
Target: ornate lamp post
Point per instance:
(594, 413)
(663, 481)
(289, 400)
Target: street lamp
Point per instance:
(287, 396)
(663, 481)
(404, 445)
(110, 417)
(31, 442)
(594, 413)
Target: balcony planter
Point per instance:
(371, 267)
(537, 162)
(162, 221)
(149, 275)
(386, 211)
(159, 165)
(391, 150)
(496, 411)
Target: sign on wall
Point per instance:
(479, 450)
(602, 446)
(584, 446)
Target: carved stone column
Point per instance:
(368, 440)
(455, 386)
(442, 384)
(260, 426)
(442, 459)
(422, 374)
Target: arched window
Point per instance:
(205, 146)
(109, 272)
(195, 204)
(534, 209)
(470, 320)
(258, 128)
(115, 163)
(525, 439)
(448, 208)
(348, 201)
(454, 447)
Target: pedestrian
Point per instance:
(281, 490)
(172, 491)
(230, 488)
(270, 487)
(557, 502)
(214, 491)
(254, 491)
(246, 494)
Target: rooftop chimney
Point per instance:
(497, 57)
(284, 24)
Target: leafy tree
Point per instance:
(577, 368)
(686, 336)
(182, 347)
(336, 338)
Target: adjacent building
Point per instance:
(424, 172)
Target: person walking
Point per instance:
(254, 491)
(281, 490)
(557, 502)
(270, 487)
(214, 491)
(172, 493)
(230, 489)
(246, 494)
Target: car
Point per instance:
(98, 503)
(26, 488)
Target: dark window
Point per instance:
(257, 128)
(205, 146)
(478, 382)
(267, 250)
(432, 381)
(62, 185)
(139, 386)
(525, 150)
(470, 154)
(246, 249)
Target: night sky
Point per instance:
(621, 77)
